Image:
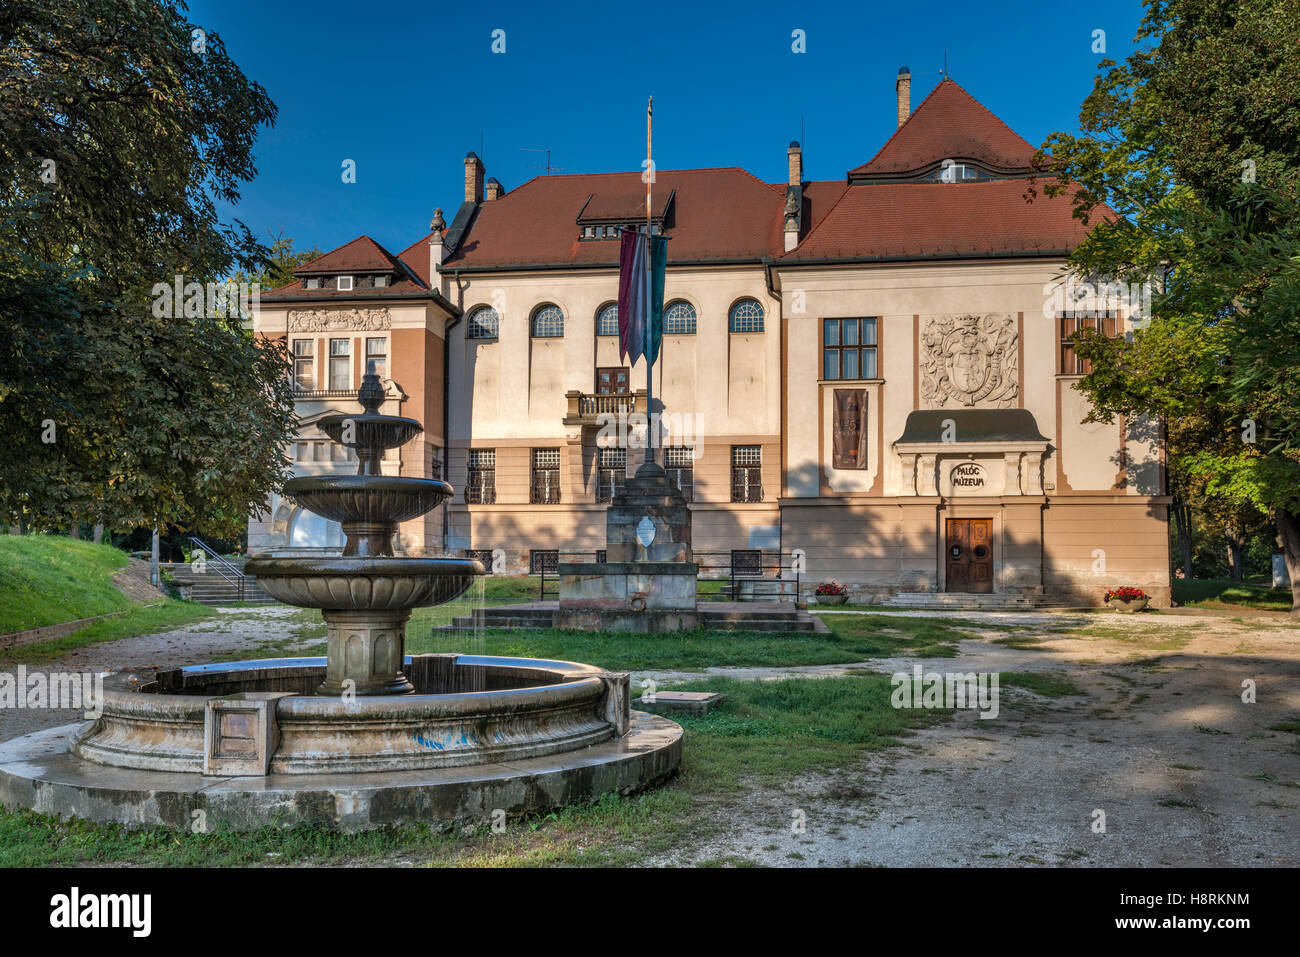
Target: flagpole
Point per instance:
(649, 296)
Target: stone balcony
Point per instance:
(587, 408)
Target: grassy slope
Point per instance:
(46, 579)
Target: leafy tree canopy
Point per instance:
(122, 126)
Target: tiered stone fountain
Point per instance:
(366, 736)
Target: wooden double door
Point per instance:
(969, 550)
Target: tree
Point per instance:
(1188, 162)
(121, 127)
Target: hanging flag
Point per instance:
(632, 263)
(655, 325)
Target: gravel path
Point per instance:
(234, 629)
(1161, 743)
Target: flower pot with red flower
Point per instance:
(1127, 599)
(832, 593)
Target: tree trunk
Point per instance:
(74, 531)
(1183, 525)
(1235, 557)
(1288, 527)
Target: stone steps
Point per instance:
(764, 619)
(967, 601)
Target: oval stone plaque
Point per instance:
(645, 532)
(968, 477)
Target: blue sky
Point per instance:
(406, 89)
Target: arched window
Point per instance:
(548, 322)
(607, 320)
(747, 316)
(484, 323)
(679, 319)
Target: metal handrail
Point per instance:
(222, 566)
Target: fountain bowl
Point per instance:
(367, 498)
(358, 584)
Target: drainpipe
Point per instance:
(446, 403)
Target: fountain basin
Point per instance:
(468, 709)
(369, 507)
(364, 583)
(370, 430)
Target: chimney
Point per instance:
(795, 154)
(794, 197)
(473, 178)
(494, 189)
(903, 87)
(437, 251)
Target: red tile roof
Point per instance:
(361, 255)
(922, 220)
(949, 123)
(719, 215)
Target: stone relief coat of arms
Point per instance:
(970, 360)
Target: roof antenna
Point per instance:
(945, 63)
(548, 167)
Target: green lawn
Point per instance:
(47, 579)
(1226, 593)
(852, 638)
(762, 734)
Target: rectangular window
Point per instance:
(304, 365)
(345, 283)
(377, 357)
(849, 348)
(679, 463)
(435, 462)
(543, 561)
(746, 473)
(610, 474)
(481, 477)
(1071, 323)
(746, 563)
(546, 477)
(483, 556)
(340, 364)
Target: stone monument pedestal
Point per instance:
(648, 582)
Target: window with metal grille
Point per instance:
(746, 563)
(546, 477)
(481, 477)
(340, 363)
(679, 319)
(483, 556)
(435, 462)
(543, 561)
(610, 474)
(484, 323)
(747, 316)
(746, 473)
(679, 463)
(848, 348)
(548, 323)
(377, 357)
(607, 320)
(1071, 324)
(600, 556)
(304, 364)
